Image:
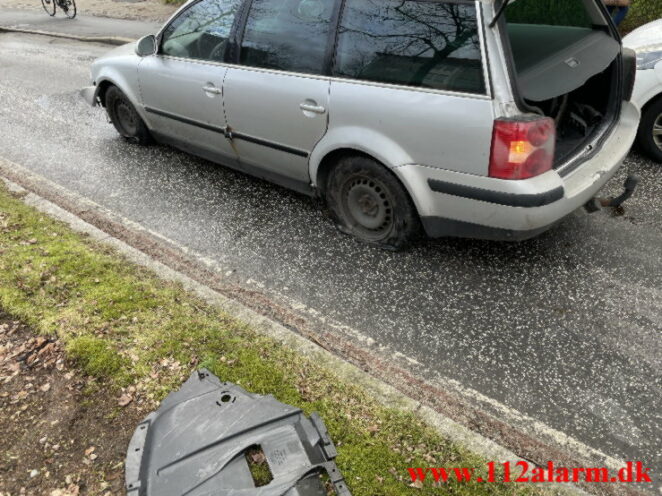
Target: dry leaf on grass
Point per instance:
(258, 457)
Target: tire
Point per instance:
(125, 118)
(651, 123)
(69, 8)
(49, 6)
(369, 203)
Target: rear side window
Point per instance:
(201, 31)
(421, 43)
(287, 35)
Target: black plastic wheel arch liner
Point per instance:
(195, 445)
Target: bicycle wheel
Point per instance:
(69, 7)
(49, 6)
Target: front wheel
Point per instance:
(368, 202)
(49, 6)
(650, 130)
(125, 118)
(69, 8)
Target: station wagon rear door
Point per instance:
(276, 99)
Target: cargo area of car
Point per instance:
(582, 115)
(570, 73)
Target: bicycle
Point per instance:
(68, 6)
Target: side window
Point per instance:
(287, 35)
(202, 31)
(428, 44)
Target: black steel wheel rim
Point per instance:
(127, 119)
(367, 206)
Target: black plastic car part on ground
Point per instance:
(197, 443)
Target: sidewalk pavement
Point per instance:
(88, 28)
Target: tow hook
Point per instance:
(595, 204)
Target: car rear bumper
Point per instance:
(455, 204)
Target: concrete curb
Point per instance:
(384, 393)
(109, 40)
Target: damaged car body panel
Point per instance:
(197, 441)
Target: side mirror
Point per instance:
(146, 46)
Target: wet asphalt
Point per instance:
(565, 328)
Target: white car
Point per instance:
(647, 42)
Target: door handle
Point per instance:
(210, 88)
(312, 107)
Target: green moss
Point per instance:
(258, 467)
(96, 357)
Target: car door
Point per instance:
(181, 86)
(276, 97)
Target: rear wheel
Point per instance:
(368, 202)
(125, 118)
(49, 6)
(650, 130)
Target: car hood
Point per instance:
(121, 51)
(644, 36)
(120, 55)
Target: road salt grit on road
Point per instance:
(558, 337)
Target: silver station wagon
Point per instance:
(477, 119)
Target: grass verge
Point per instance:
(642, 12)
(134, 332)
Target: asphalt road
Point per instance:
(565, 329)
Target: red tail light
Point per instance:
(522, 148)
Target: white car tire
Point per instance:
(649, 136)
